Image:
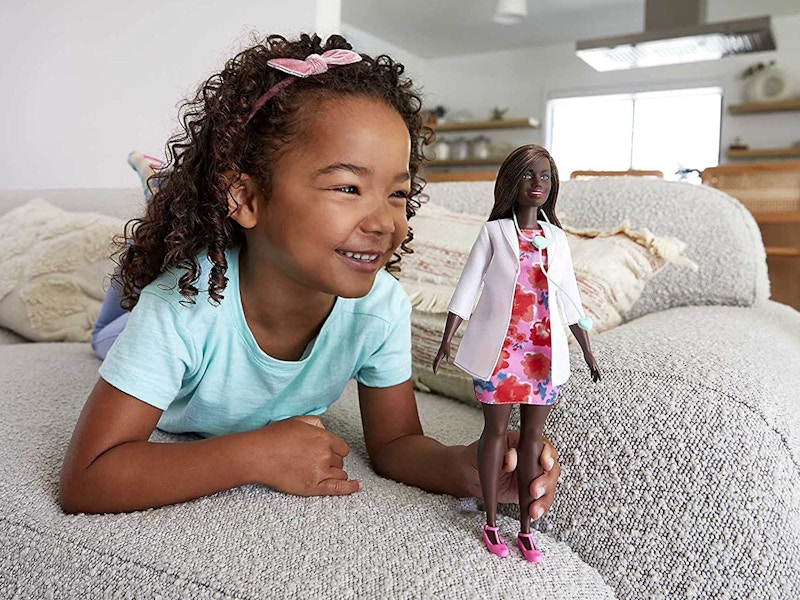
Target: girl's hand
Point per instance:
(543, 488)
(299, 456)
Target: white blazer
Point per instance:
(494, 261)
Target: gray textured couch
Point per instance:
(680, 471)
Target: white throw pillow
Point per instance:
(54, 268)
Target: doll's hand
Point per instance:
(593, 368)
(543, 488)
(299, 456)
(442, 354)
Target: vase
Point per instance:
(768, 85)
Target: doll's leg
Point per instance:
(491, 451)
(529, 450)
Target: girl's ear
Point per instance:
(242, 199)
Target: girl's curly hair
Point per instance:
(189, 212)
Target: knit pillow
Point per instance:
(611, 267)
(53, 266)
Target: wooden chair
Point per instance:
(628, 173)
(771, 191)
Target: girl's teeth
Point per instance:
(364, 257)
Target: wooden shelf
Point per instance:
(763, 152)
(761, 107)
(777, 217)
(529, 123)
(466, 162)
(782, 251)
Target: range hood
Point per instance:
(673, 34)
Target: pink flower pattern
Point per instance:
(523, 374)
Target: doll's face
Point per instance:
(535, 185)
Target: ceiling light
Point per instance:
(708, 43)
(510, 12)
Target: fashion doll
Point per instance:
(515, 346)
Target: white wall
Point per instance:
(369, 44)
(524, 80)
(86, 82)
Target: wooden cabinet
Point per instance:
(764, 107)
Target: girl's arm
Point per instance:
(111, 466)
(399, 450)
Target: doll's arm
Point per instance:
(465, 294)
(469, 284)
(583, 340)
(568, 291)
(570, 285)
(450, 327)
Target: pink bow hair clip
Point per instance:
(314, 64)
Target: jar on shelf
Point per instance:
(441, 149)
(479, 147)
(460, 148)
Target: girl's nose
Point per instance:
(380, 220)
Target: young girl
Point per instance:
(259, 286)
(515, 347)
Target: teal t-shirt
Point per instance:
(201, 365)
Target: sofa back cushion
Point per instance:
(721, 235)
(123, 203)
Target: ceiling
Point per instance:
(439, 28)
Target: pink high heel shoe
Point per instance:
(498, 549)
(529, 550)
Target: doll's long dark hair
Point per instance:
(506, 186)
(188, 213)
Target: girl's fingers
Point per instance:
(510, 460)
(339, 446)
(338, 484)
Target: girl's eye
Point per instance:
(546, 176)
(347, 189)
(527, 175)
(401, 194)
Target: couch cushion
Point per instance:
(9, 337)
(681, 468)
(389, 540)
(721, 235)
(53, 265)
(123, 203)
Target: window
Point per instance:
(668, 131)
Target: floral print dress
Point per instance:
(523, 374)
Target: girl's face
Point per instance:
(534, 187)
(337, 208)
